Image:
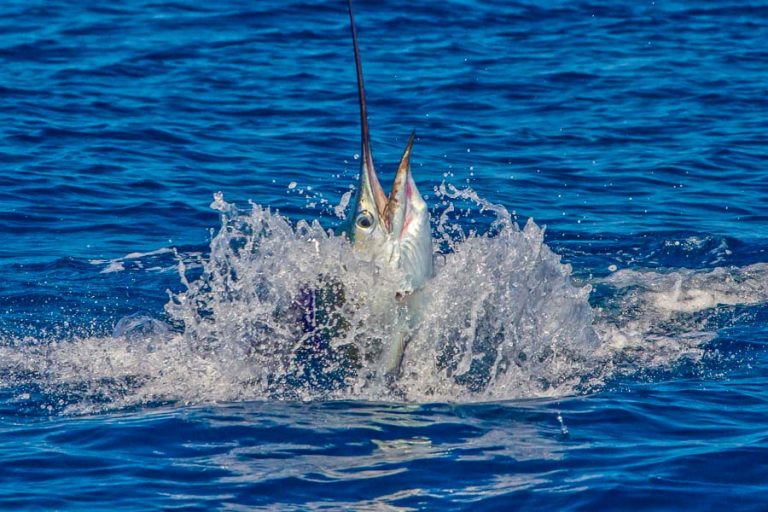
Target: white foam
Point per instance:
(137, 260)
(684, 290)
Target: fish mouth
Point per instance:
(370, 183)
(390, 210)
(396, 209)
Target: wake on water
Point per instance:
(289, 311)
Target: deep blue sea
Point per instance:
(175, 177)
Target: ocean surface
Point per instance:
(175, 177)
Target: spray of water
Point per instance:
(282, 310)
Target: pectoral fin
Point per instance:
(393, 357)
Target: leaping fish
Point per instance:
(393, 231)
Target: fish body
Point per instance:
(393, 231)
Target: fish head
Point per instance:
(394, 231)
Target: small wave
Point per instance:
(157, 260)
(691, 291)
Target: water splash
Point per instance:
(652, 318)
(307, 316)
(279, 310)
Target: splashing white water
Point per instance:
(655, 317)
(689, 291)
(286, 311)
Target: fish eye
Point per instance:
(364, 219)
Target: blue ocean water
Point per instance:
(136, 374)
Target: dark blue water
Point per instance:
(636, 132)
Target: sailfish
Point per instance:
(393, 231)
